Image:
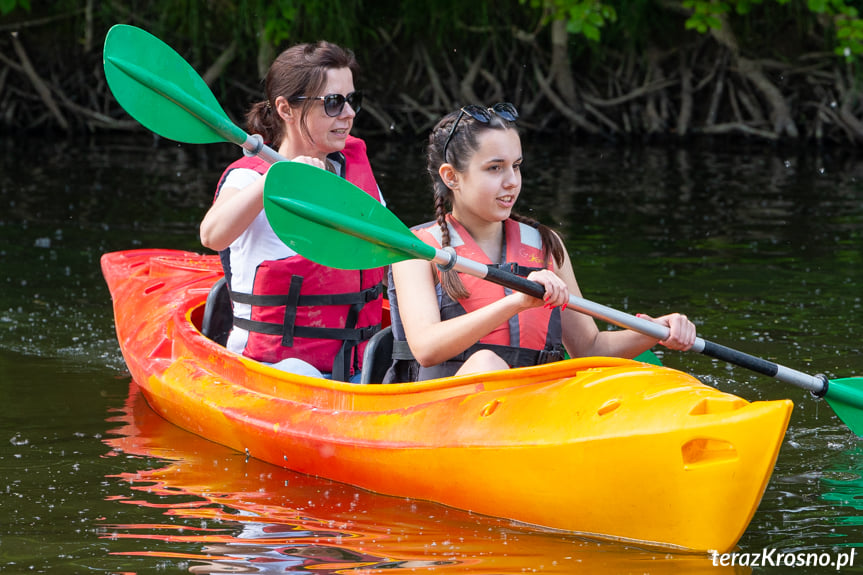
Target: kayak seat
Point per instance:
(218, 313)
(378, 356)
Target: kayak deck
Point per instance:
(605, 447)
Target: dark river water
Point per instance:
(763, 249)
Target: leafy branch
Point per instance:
(585, 17)
(8, 6)
(708, 15)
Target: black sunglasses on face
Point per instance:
(505, 110)
(335, 103)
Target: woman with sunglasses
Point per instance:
(457, 324)
(288, 311)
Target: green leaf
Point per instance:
(817, 6)
(591, 32)
(574, 26)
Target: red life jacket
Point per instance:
(529, 338)
(301, 309)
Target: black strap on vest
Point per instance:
(293, 301)
(514, 268)
(350, 334)
(513, 356)
(342, 361)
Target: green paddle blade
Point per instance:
(649, 357)
(845, 396)
(334, 223)
(645, 357)
(157, 87)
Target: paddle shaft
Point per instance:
(816, 385)
(403, 244)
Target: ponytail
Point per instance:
(261, 119)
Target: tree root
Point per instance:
(39, 84)
(218, 67)
(704, 88)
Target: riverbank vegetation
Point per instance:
(624, 70)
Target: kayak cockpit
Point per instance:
(215, 318)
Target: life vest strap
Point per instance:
(291, 311)
(513, 356)
(267, 328)
(515, 268)
(365, 296)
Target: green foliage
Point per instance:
(585, 17)
(7, 6)
(287, 22)
(376, 29)
(707, 15)
(849, 32)
(279, 21)
(849, 27)
(588, 18)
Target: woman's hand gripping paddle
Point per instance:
(330, 221)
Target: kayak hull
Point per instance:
(605, 447)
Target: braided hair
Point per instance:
(462, 146)
(300, 70)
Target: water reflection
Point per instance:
(807, 509)
(219, 512)
(843, 489)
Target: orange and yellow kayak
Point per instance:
(604, 447)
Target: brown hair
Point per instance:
(300, 70)
(462, 146)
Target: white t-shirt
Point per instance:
(257, 244)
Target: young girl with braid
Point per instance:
(456, 324)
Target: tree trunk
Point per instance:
(780, 112)
(561, 68)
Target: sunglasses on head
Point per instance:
(505, 110)
(335, 103)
